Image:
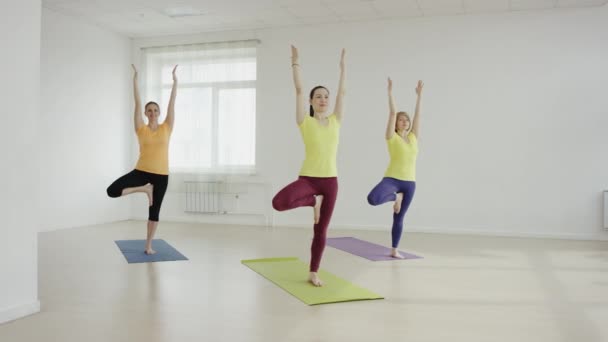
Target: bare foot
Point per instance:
(314, 279)
(317, 207)
(395, 254)
(148, 188)
(397, 205)
(150, 251)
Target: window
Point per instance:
(215, 109)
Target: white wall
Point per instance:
(514, 118)
(19, 95)
(86, 119)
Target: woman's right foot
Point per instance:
(314, 279)
(148, 189)
(397, 205)
(317, 207)
(395, 254)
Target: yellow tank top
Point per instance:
(154, 149)
(321, 144)
(403, 157)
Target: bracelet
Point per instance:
(295, 64)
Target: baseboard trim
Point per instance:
(18, 311)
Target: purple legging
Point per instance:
(387, 191)
(301, 194)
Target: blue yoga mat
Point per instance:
(133, 250)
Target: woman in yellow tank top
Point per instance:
(317, 185)
(151, 174)
(399, 182)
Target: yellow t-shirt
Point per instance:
(321, 143)
(154, 149)
(403, 157)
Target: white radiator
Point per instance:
(229, 198)
(203, 197)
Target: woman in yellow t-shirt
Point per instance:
(399, 182)
(317, 184)
(151, 174)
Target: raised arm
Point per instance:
(339, 109)
(138, 121)
(416, 123)
(392, 114)
(297, 82)
(171, 108)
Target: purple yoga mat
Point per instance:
(365, 249)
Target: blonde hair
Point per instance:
(402, 114)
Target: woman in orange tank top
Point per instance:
(151, 174)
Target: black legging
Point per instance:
(138, 178)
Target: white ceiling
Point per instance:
(142, 18)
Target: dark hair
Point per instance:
(151, 103)
(312, 93)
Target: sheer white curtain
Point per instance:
(215, 115)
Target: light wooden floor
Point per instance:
(465, 289)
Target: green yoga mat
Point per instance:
(291, 275)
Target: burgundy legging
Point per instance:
(301, 194)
